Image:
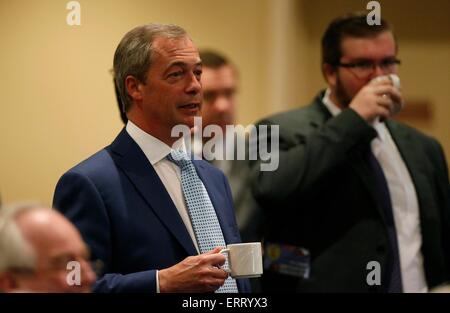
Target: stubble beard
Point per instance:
(341, 94)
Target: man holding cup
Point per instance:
(366, 196)
(154, 217)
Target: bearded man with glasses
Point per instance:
(368, 197)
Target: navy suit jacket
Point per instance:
(126, 216)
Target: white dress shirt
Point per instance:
(404, 203)
(170, 174)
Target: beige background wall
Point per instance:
(58, 104)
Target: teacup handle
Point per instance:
(227, 252)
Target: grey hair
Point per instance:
(15, 251)
(133, 55)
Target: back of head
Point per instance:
(15, 251)
(213, 59)
(33, 239)
(123, 115)
(350, 25)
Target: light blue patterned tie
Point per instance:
(201, 211)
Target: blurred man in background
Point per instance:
(366, 196)
(220, 85)
(37, 245)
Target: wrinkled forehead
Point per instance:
(173, 49)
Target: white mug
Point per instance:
(244, 259)
(395, 81)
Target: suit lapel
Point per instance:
(130, 158)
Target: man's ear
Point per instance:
(330, 74)
(133, 88)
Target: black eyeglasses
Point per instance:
(363, 69)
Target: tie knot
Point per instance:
(180, 158)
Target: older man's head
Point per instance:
(41, 251)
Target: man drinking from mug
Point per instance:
(355, 188)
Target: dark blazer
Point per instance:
(322, 198)
(248, 214)
(125, 215)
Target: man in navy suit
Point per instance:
(127, 199)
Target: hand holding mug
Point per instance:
(380, 98)
(244, 259)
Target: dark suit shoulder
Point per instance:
(416, 135)
(301, 119)
(292, 117)
(424, 145)
(96, 167)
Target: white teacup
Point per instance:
(244, 259)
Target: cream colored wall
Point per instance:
(58, 104)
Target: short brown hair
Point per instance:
(213, 59)
(349, 25)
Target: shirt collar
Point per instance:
(154, 149)
(333, 108)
